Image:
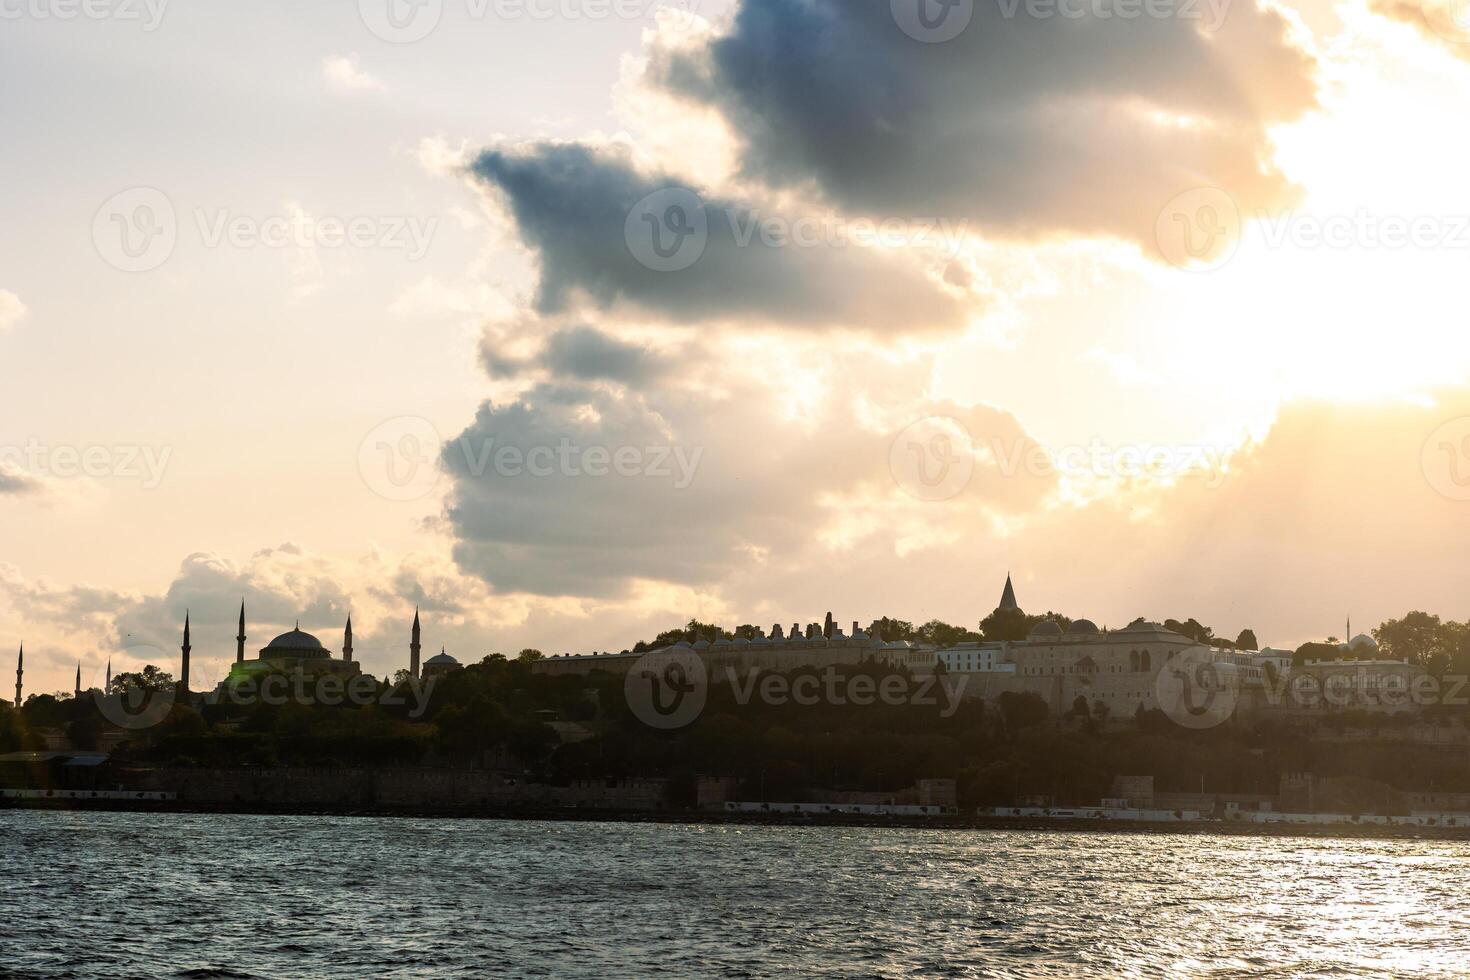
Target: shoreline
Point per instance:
(1215, 828)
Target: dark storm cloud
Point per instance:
(587, 354)
(1027, 125)
(572, 203)
(15, 483)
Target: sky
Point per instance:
(566, 321)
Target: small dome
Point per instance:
(1362, 642)
(722, 643)
(1047, 627)
(1083, 627)
(701, 644)
(683, 645)
(740, 641)
(445, 660)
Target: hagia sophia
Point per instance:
(291, 652)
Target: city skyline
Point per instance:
(290, 408)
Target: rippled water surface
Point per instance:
(124, 895)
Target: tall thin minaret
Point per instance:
(240, 636)
(413, 647)
(20, 669)
(77, 690)
(347, 640)
(108, 686)
(184, 673)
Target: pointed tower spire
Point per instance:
(413, 646)
(240, 636)
(184, 672)
(1008, 596)
(77, 690)
(347, 640)
(20, 669)
(108, 685)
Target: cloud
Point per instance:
(1028, 125)
(688, 486)
(347, 77)
(579, 208)
(15, 482)
(1445, 22)
(12, 310)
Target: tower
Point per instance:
(347, 640)
(20, 669)
(827, 626)
(77, 689)
(413, 647)
(108, 684)
(240, 636)
(1008, 596)
(184, 673)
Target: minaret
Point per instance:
(240, 636)
(413, 647)
(108, 686)
(347, 640)
(20, 669)
(184, 673)
(77, 690)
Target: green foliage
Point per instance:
(1247, 641)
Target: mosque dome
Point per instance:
(1083, 627)
(1047, 627)
(1362, 642)
(295, 644)
(701, 644)
(442, 660)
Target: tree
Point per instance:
(530, 655)
(1005, 625)
(944, 635)
(1192, 628)
(891, 630)
(1022, 710)
(150, 679)
(1418, 638)
(1247, 641)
